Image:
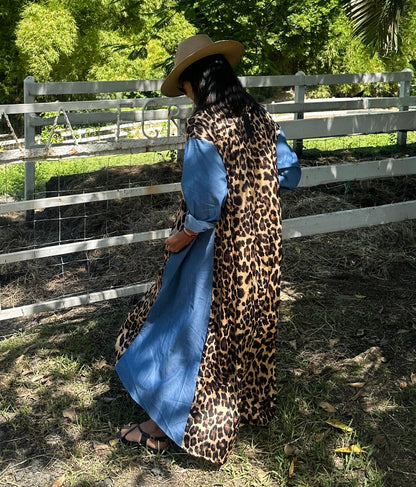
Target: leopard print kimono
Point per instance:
(236, 380)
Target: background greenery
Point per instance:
(346, 336)
(69, 40)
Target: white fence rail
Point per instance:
(174, 110)
(383, 115)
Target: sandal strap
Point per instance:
(146, 436)
(123, 437)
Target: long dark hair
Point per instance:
(215, 85)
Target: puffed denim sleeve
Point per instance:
(204, 185)
(287, 164)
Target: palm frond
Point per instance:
(376, 22)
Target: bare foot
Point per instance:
(149, 427)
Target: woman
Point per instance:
(197, 353)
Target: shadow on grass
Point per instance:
(348, 341)
(346, 351)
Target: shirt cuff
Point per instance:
(197, 226)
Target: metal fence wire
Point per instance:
(92, 228)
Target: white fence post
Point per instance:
(103, 111)
(29, 143)
(299, 98)
(404, 91)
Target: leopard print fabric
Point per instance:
(236, 380)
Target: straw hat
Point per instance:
(195, 48)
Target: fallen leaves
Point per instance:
(288, 449)
(337, 435)
(350, 449)
(345, 449)
(100, 446)
(292, 467)
(329, 408)
(59, 482)
(403, 383)
(377, 440)
(338, 424)
(70, 414)
(104, 449)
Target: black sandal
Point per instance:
(143, 439)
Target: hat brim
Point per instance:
(232, 50)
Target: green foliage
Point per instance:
(344, 54)
(314, 36)
(377, 22)
(12, 179)
(280, 36)
(72, 40)
(151, 26)
(10, 71)
(406, 54)
(45, 36)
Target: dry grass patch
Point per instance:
(347, 348)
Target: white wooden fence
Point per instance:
(364, 116)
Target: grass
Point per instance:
(357, 143)
(62, 403)
(348, 317)
(12, 176)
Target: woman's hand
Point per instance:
(177, 241)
